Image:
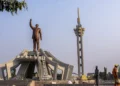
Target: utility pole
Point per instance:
(79, 31)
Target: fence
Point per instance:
(14, 82)
(27, 82)
(78, 85)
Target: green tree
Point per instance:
(110, 76)
(101, 74)
(12, 5)
(105, 73)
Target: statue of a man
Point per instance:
(36, 36)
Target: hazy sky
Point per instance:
(57, 18)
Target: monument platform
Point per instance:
(47, 67)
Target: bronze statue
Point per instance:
(36, 35)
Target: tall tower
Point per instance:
(79, 31)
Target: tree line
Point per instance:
(12, 5)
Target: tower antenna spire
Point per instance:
(78, 19)
(79, 31)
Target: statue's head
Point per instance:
(37, 25)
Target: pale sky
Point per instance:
(57, 19)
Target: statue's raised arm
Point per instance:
(31, 24)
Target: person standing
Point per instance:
(97, 75)
(115, 74)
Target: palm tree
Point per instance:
(12, 5)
